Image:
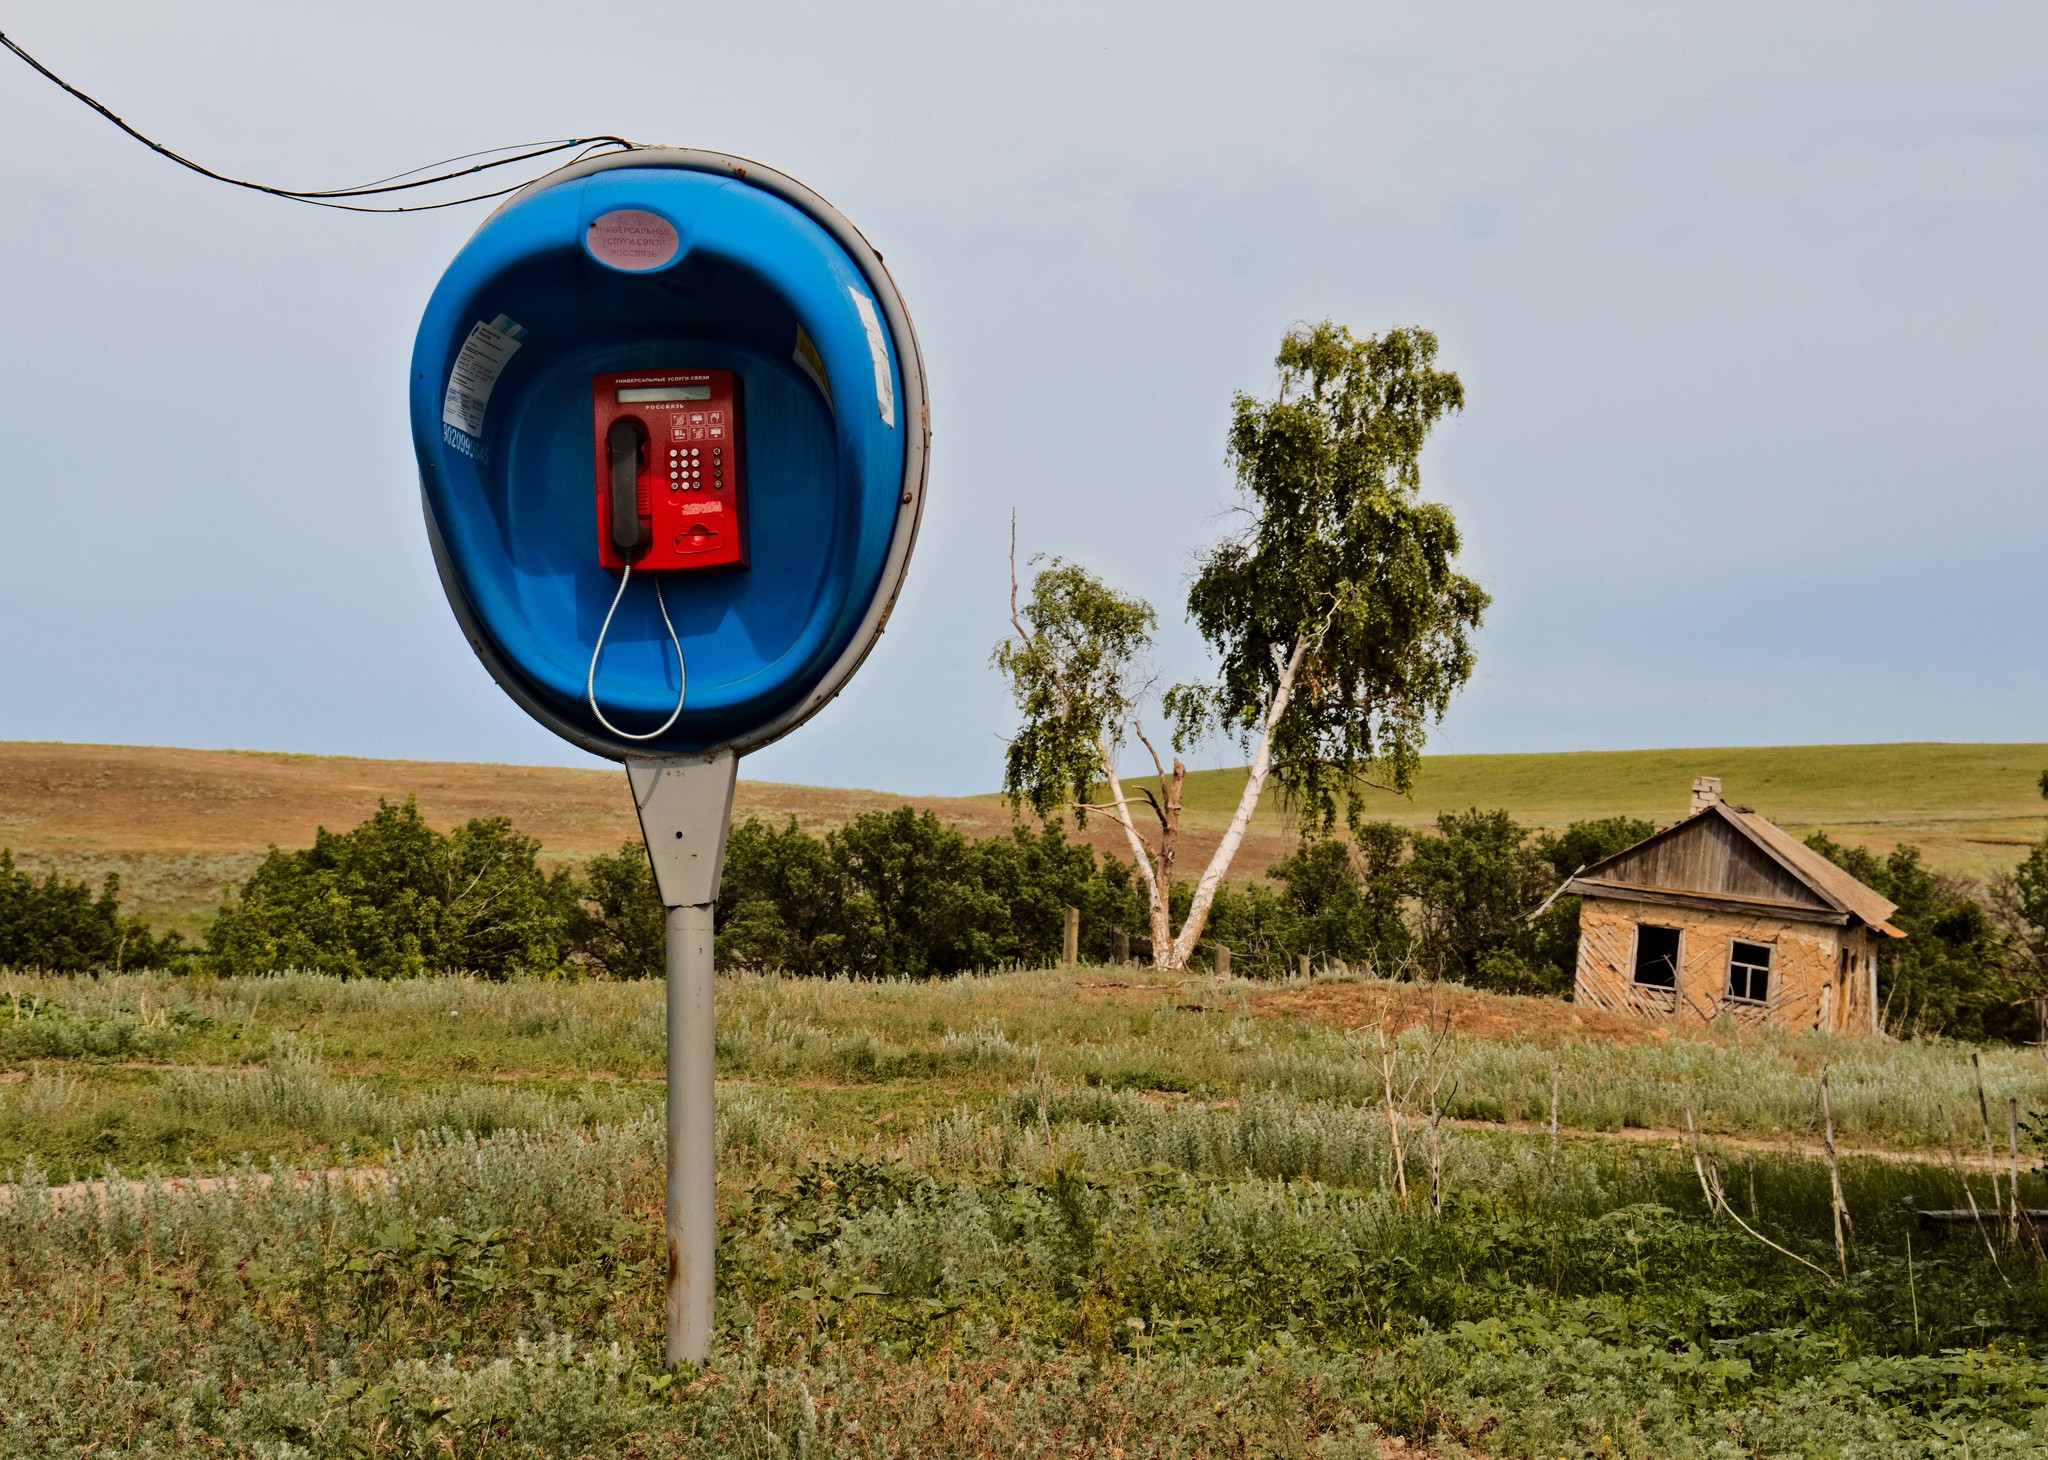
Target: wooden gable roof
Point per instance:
(1731, 856)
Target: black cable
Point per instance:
(332, 197)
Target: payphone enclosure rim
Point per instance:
(910, 507)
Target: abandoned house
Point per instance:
(1726, 916)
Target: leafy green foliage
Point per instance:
(1554, 935)
(393, 897)
(2020, 899)
(1074, 672)
(1337, 900)
(1340, 562)
(902, 895)
(616, 926)
(1477, 882)
(1348, 895)
(1458, 903)
(1947, 975)
(889, 895)
(1340, 628)
(60, 924)
(781, 902)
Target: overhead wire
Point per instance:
(399, 182)
(342, 198)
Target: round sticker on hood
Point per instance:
(633, 239)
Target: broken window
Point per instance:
(1657, 956)
(1749, 971)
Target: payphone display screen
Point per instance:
(638, 394)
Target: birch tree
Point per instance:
(1340, 626)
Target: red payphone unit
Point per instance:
(671, 485)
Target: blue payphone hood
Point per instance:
(767, 280)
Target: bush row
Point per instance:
(890, 894)
(59, 923)
(901, 894)
(1454, 905)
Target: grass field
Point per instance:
(1095, 1212)
(1973, 808)
(178, 825)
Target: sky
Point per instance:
(1748, 301)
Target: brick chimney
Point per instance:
(1706, 791)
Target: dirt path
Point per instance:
(1710, 1142)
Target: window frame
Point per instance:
(1768, 968)
(1635, 957)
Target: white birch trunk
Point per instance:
(1241, 819)
(1155, 896)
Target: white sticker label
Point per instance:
(477, 367)
(878, 349)
(633, 239)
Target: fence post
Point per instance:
(1222, 961)
(1305, 972)
(1120, 946)
(1070, 939)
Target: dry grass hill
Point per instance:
(180, 824)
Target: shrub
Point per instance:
(1478, 880)
(393, 898)
(781, 902)
(1475, 883)
(1335, 899)
(1347, 897)
(2020, 900)
(1947, 975)
(59, 924)
(1458, 901)
(895, 894)
(912, 898)
(615, 922)
(1253, 921)
(1038, 877)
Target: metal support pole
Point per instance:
(692, 1137)
(685, 807)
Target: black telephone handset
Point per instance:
(626, 444)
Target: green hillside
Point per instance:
(1973, 808)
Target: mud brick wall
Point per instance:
(1812, 986)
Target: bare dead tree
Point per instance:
(1436, 1144)
(1990, 1150)
(1840, 1207)
(1976, 1215)
(1388, 1056)
(1709, 1173)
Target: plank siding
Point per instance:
(1708, 855)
